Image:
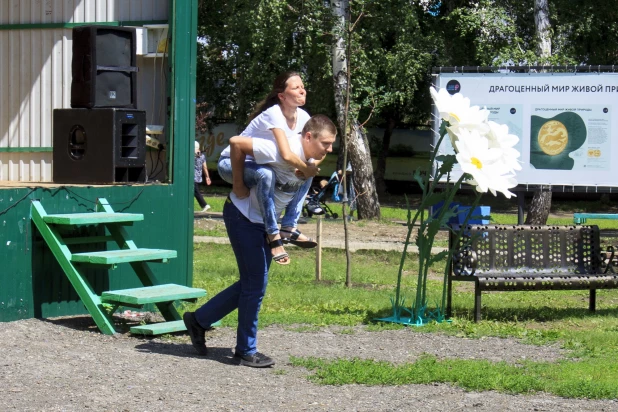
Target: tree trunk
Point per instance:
(543, 27)
(340, 79)
(342, 89)
(368, 206)
(539, 207)
(538, 212)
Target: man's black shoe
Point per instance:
(196, 332)
(257, 360)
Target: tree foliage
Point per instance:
(245, 44)
(502, 32)
(392, 50)
(586, 31)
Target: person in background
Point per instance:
(200, 168)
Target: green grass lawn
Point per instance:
(295, 298)
(215, 199)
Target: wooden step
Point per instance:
(113, 257)
(159, 328)
(92, 218)
(152, 294)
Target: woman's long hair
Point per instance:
(272, 99)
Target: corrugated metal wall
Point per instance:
(80, 11)
(35, 73)
(31, 282)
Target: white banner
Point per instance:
(564, 121)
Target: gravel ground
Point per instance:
(64, 364)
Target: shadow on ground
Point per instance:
(86, 322)
(221, 355)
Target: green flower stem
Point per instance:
(432, 160)
(425, 252)
(427, 189)
(428, 229)
(405, 250)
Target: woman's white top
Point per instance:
(272, 118)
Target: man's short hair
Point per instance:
(318, 124)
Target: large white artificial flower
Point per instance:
(483, 163)
(484, 149)
(457, 111)
(500, 138)
(501, 184)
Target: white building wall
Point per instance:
(80, 11)
(35, 73)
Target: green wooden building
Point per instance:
(35, 79)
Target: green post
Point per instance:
(183, 26)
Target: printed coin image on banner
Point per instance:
(552, 140)
(553, 137)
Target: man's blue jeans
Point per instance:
(253, 256)
(263, 179)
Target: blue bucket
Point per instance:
(437, 208)
(480, 215)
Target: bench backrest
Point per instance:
(525, 250)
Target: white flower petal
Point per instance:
(484, 149)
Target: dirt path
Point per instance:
(362, 234)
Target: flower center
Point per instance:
(476, 162)
(454, 116)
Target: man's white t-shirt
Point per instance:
(266, 152)
(272, 118)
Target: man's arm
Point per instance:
(240, 148)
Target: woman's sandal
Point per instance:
(293, 239)
(281, 256)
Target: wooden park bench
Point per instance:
(54, 227)
(513, 258)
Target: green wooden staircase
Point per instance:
(163, 296)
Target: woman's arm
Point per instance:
(307, 169)
(240, 147)
(205, 169)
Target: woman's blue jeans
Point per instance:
(263, 179)
(253, 256)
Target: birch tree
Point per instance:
(540, 205)
(353, 137)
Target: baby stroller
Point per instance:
(315, 204)
(316, 201)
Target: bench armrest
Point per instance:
(464, 262)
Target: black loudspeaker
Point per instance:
(99, 146)
(104, 67)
